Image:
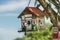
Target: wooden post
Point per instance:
(25, 30)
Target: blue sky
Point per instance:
(9, 23)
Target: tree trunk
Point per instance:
(52, 14)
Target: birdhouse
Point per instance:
(32, 19)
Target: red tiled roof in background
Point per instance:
(36, 11)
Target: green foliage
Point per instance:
(44, 34)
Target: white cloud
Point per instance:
(9, 14)
(12, 6)
(6, 34)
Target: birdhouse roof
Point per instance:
(35, 11)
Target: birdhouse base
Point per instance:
(27, 30)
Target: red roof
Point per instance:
(36, 11)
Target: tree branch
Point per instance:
(52, 14)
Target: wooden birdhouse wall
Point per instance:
(40, 22)
(27, 17)
(34, 19)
